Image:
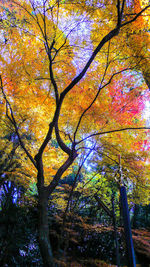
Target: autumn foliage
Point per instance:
(75, 96)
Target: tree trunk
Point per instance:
(115, 232)
(43, 230)
(127, 228)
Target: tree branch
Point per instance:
(108, 37)
(13, 121)
(102, 205)
(96, 96)
(60, 141)
(137, 15)
(118, 13)
(113, 131)
(50, 188)
(74, 184)
(46, 141)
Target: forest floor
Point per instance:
(141, 239)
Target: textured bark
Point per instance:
(43, 196)
(43, 230)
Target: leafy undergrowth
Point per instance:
(69, 262)
(93, 245)
(141, 240)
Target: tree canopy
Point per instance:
(74, 86)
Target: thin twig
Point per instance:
(13, 122)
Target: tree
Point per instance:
(62, 66)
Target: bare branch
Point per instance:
(107, 38)
(13, 121)
(118, 13)
(53, 79)
(102, 205)
(74, 184)
(114, 131)
(122, 8)
(96, 96)
(137, 15)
